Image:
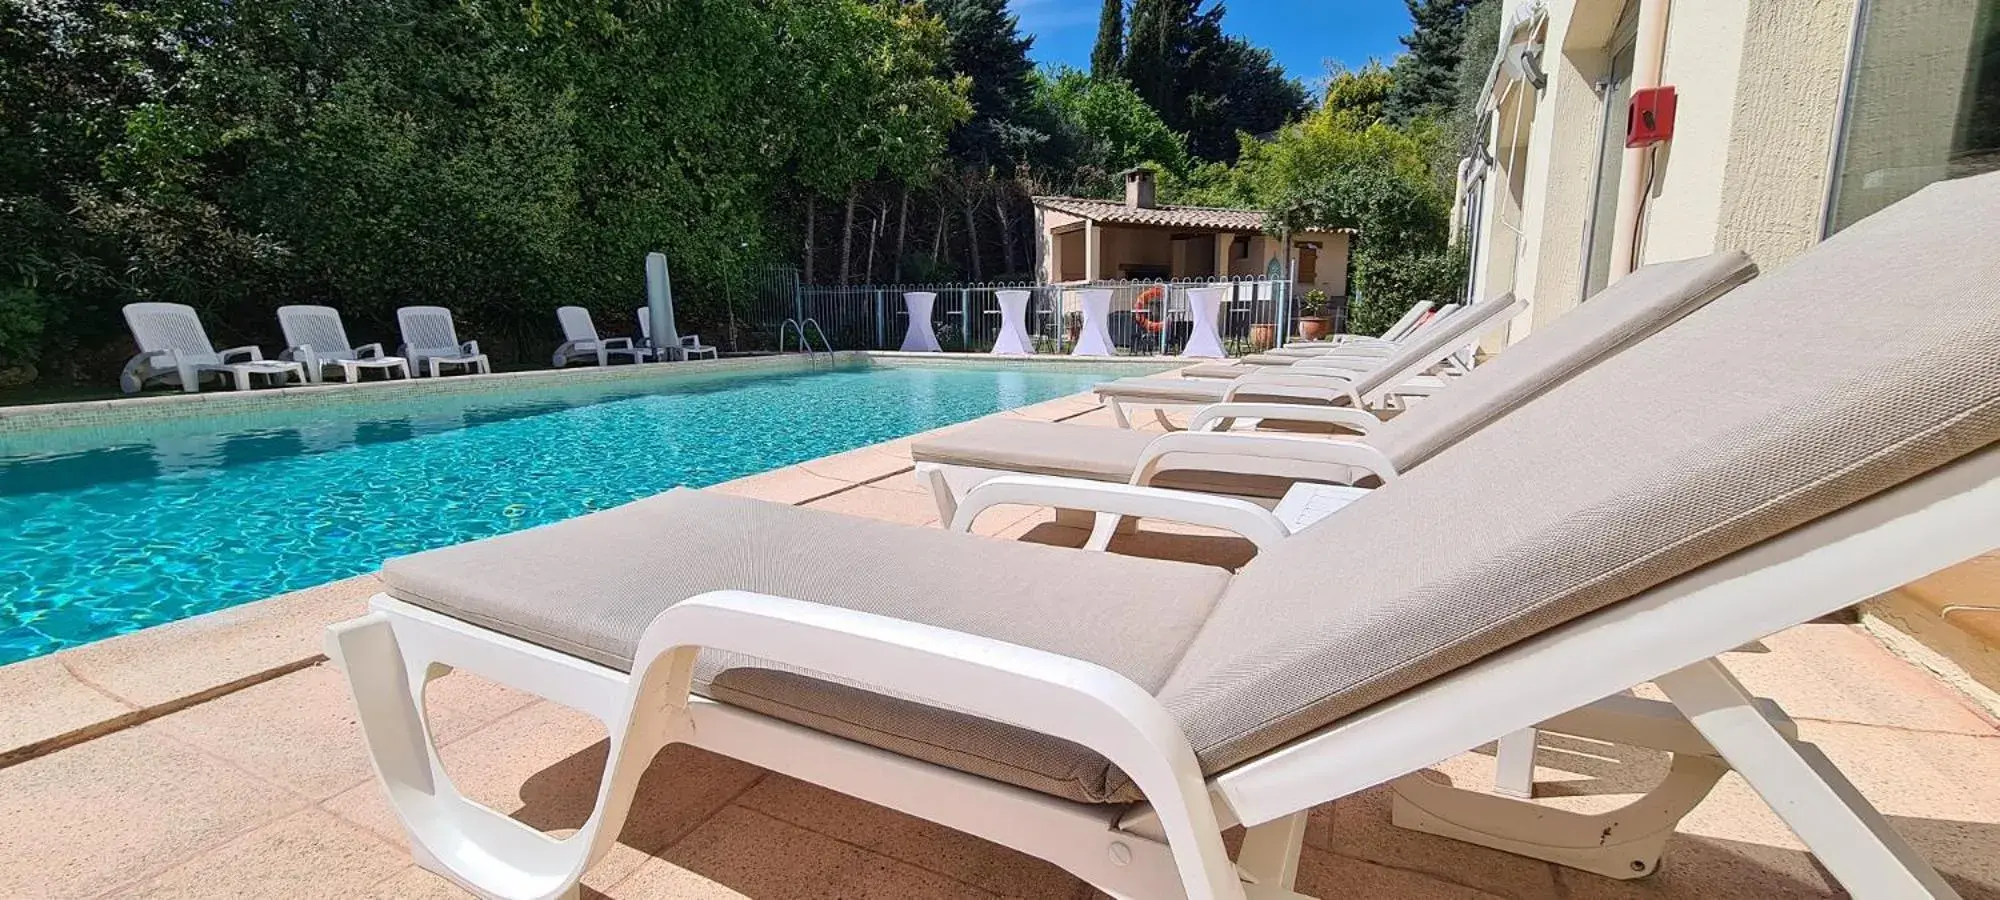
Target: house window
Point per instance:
(1922, 103)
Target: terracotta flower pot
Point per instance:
(1263, 336)
(1315, 328)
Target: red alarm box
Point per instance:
(1651, 118)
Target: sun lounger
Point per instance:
(690, 346)
(1302, 385)
(316, 339)
(1112, 715)
(174, 348)
(1419, 317)
(1263, 467)
(430, 341)
(580, 341)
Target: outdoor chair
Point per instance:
(580, 341)
(690, 344)
(1264, 467)
(1375, 381)
(175, 349)
(430, 341)
(316, 339)
(1350, 354)
(1113, 715)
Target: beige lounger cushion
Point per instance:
(1865, 362)
(1404, 363)
(589, 586)
(1635, 307)
(1617, 317)
(1076, 451)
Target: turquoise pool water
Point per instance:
(133, 531)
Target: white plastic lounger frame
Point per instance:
(316, 339)
(431, 341)
(580, 341)
(1301, 383)
(691, 345)
(173, 347)
(1670, 635)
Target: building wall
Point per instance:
(1332, 274)
(1758, 83)
(1061, 254)
(1787, 107)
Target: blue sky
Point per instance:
(1305, 35)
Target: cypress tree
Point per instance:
(1427, 75)
(1108, 57)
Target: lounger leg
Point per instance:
(1846, 833)
(1514, 765)
(486, 852)
(1160, 414)
(1118, 412)
(1270, 854)
(933, 477)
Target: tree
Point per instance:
(1101, 127)
(1427, 75)
(986, 48)
(1205, 84)
(1107, 58)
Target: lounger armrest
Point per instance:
(301, 353)
(617, 343)
(469, 348)
(1260, 454)
(1240, 517)
(1046, 693)
(1322, 388)
(255, 354)
(368, 351)
(1357, 420)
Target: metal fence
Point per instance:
(1148, 317)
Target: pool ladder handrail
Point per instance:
(805, 345)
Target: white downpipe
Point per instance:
(1648, 58)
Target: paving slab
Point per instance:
(44, 702)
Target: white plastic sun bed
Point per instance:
(690, 344)
(316, 339)
(1404, 369)
(1111, 715)
(174, 348)
(1358, 348)
(580, 341)
(430, 342)
(1263, 467)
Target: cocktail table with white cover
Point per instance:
(1095, 339)
(920, 338)
(1205, 338)
(1013, 339)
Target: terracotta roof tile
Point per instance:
(1117, 213)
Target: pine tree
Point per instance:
(1108, 57)
(1205, 83)
(1427, 75)
(987, 48)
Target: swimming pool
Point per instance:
(114, 533)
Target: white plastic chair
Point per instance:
(316, 339)
(691, 345)
(174, 347)
(430, 341)
(580, 341)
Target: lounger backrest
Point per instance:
(645, 316)
(576, 325)
(1618, 317)
(318, 327)
(427, 328)
(1408, 322)
(1447, 332)
(1863, 363)
(158, 327)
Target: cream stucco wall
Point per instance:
(1757, 81)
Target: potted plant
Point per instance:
(1073, 323)
(1263, 336)
(1313, 321)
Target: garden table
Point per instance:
(1013, 339)
(921, 337)
(1096, 337)
(1205, 338)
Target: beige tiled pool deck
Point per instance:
(219, 757)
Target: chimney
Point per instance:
(1139, 189)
